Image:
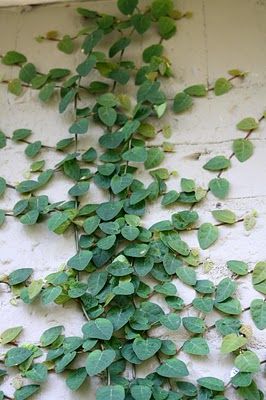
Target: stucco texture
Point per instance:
(221, 35)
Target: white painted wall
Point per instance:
(222, 35)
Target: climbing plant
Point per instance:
(122, 267)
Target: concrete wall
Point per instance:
(220, 36)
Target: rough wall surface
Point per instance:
(222, 35)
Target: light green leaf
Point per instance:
(15, 87)
(38, 373)
(19, 275)
(120, 183)
(136, 154)
(225, 216)
(80, 189)
(66, 45)
(237, 267)
(225, 289)
(247, 362)
(2, 186)
(154, 158)
(207, 235)
(20, 134)
(2, 140)
(247, 124)
(222, 86)
(217, 163)
(232, 342)
(196, 90)
(109, 210)
(79, 127)
(243, 149)
(13, 58)
(10, 334)
(171, 321)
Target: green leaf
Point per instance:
(81, 260)
(136, 250)
(217, 163)
(91, 224)
(30, 218)
(222, 86)
(237, 267)
(171, 321)
(50, 335)
(2, 140)
(98, 361)
(15, 87)
(46, 92)
(194, 324)
(172, 368)
(155, 50)
(27, 73)
(196, 90)
(154, 158)
(197, 346)
(2, 217)
(182, 102)
(247, 362)
(13, 58)
(258, 313)
(18, 276)
(207, 235)
(50, 294)
(225, 216)
(251, 392)
(79, 189)
(26, 391)
(66, 45)
(9, 335)
(219, 187)
(75, 378)
(34, 288)
(66, 100)
(120, 183)
(127, 7)
(33, 149)
(243, 149)
(136, 154)
(79, 127)
(58, 222)
(211, 383)
(63, 362)
(120, 45)
(230, 306)
(187, 275)
(141, 392)
(166, 27)
(20, 134)
(225, 289)
(141, 22)
(2, 186)
(161, 8)
(112, 392)
(38, 373)
(247, 124)
(146, 348)
(170, 198)
(16, 356)
(130, 232)
(120, 316)
(107, 115)
(100, 328)
(259, 277)
(109, 210)
(232, 342)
